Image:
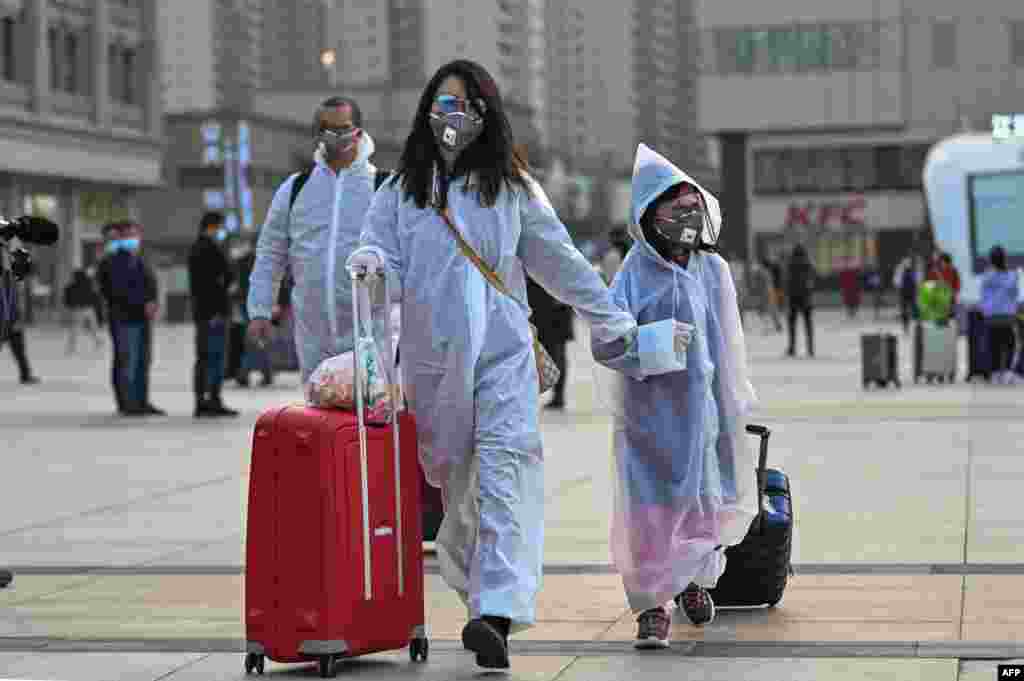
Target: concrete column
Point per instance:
(40, 75)
(151, 69)
(100, 63)
(735, 201)
(70, 244)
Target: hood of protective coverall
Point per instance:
(340, 295)
(685, 480)
(653, 175)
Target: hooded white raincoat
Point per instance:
(314, 238)
(686, 481)
(471, 377)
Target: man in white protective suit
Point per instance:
(312, 226)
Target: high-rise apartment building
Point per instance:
(665, 66)
(400, 43)
(618, 74)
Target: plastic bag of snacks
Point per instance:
(332, 385)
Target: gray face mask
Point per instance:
(454, 132)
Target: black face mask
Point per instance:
(454, 132)
(680, 234)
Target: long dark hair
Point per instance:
(997, 256)
(492, 159)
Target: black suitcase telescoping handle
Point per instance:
(762, 465)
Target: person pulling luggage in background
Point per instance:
(680, 436)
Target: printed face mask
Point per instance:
(681, 227)
(338, 142)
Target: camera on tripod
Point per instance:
(16, 261)
(26, 229)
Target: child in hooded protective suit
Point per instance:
(686, 481)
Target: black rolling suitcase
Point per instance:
(758, 568)
(879, 357)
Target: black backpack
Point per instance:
(379, 176)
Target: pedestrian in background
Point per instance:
(553, 320)
(873, 283)
(250, 356)
(775, 292)
(82, 300)
(999, 301)
(16, 337)
(943, 270)
(800, 282)
(850, 284)
(209, 276)
(129, 286)
(905, 279)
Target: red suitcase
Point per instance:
(334, 554)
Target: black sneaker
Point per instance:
(697, 604)
(217, 408)
(652, 629)
(151, 410)
(203, 410)
(6, 577)
(489, 644)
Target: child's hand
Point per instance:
(683, 336)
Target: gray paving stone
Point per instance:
(659, 667)
(93, 666)
(446, 666)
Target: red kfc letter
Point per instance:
(853, 211)
(798, 215)
(826, 213)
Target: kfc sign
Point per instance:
(826, 214)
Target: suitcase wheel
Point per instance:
(326, 666)
(253, 662)
(419, 649)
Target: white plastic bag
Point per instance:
(332, 384)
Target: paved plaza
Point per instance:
(127, 536)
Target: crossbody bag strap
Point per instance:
(490, 275)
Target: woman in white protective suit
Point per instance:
(466, 348)
(686, 483)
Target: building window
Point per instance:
(773, 50)
(944, 44)
(123, 78)
(8, 36)
(70, 66)
(53, 43)
(1017, 43)
(838, 169)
